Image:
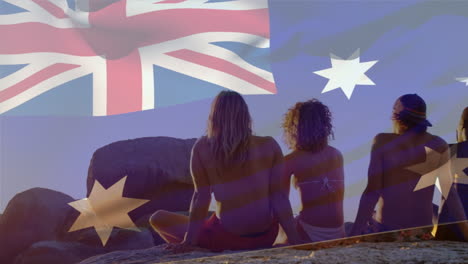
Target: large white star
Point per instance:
(105, 209)
(440, 176)
(464, 80)
(346, 74)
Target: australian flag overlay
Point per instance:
(58, 81)
(129, 50)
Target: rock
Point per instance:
(129, 239)
(46, 252)
(120, 239)
(408, 246)
(31, 216)
(157, 169)
(367, 252)
(394, 252)
(152, 255)
(143, 223)
(44, 215)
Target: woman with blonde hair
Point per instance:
(317, 169)
(243, 172)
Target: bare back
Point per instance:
(320, 181)
(398, 163)
(242, 190)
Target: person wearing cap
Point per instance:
(399, 161)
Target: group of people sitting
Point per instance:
(250, 179)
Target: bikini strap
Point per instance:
(325, 183)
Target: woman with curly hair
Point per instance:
(317, 169)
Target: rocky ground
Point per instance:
(367, 252)
(35, 226)
(410, 246)
(157, 254)
(384, 252)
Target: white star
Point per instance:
(459, 166)
(105, 209)
(432, 173)
(464, 80)
(346, 74)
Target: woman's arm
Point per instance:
(201, 197)
(372, 192)
(279, 193)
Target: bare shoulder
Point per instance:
(334, 152)
(382, 139)
(267, 141)
(292, 155)
(437, 143)
(291, 158)
(437, 139)
(201, 145)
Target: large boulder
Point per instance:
(40, 214)
(46, 252)
(88, 245)
(157, 169)
(120, 239)
(31, 216)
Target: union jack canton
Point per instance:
(119, 42)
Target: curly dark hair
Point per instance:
(307, 126)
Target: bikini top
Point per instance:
(325, 183)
